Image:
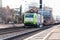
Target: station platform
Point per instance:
(52, 33)
(3, 26)
(55, 35)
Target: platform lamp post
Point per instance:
(40, 4)
(41, 8)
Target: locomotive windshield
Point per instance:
(29, 16)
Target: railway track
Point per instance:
(13, 33)
(10, 33)
(25, 33)
(22, 37)
(10, 30)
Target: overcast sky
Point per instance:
(50, 3)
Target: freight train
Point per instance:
(45, 18)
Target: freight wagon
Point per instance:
(47, 14)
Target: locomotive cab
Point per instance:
(33, 19)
